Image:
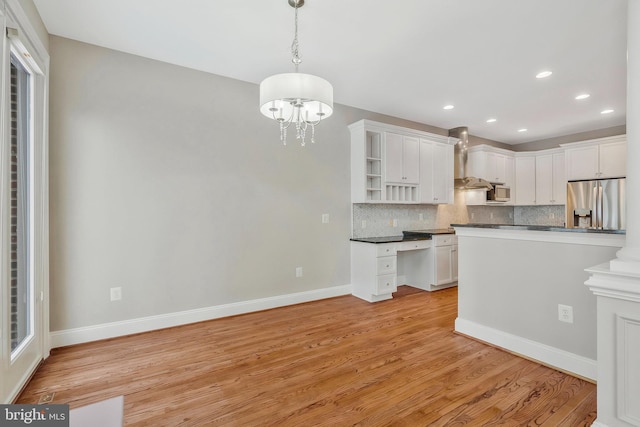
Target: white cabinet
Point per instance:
(436, 172)
(489, 163)
(525, 180)
(613, 160)
(373, 270)
(551, 182)
(445, 259)
(595, 159)
(366, 164)
(387, 165)
(540, 178)
(402, 159)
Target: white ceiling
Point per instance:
(405, 59)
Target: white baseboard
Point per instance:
(596, 423)
(144, 324)
(551, 356)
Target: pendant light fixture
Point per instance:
(296, 98)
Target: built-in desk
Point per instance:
(379, 264)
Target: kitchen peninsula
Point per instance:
(516, 282)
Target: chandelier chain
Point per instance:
(294, 45)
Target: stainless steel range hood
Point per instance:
(461, 179)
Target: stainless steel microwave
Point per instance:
(499, 193)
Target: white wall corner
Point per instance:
(150, 323)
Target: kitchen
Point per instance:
(162, 187)
(554, 242)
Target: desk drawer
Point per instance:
(386, 284)
(445, 240)
(413, 245)
(386, 249)
(386, 265)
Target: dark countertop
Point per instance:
(407, 236)
(540, 228)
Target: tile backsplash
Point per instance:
(376, 220)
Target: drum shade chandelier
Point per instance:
(296, 98)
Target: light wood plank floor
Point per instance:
(336, 362)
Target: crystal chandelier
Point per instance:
(296, 98)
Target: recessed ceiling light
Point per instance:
(491, 120)
(522, 130)
(583, 96)
(448, 107)
(543, 74)
(608, 111)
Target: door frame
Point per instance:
(18, 34)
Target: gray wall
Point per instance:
(168, 182)
(582, 136)
(520, 296)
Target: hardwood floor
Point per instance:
(336, 362)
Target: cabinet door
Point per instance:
(544, 179)
(436, 172)
(613, 160)
(442, 173)
(559, 179)
(510, 178)
(477, 164)
(443, 265)
(426, 171)
(496, 168)
(411, 160)
(526, 180)
(582, 162)
(393, 157)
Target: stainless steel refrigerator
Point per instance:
(598, 204)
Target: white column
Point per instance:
(617, 284)
(628, 258)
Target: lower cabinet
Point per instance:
(373, 270)
(446, 260)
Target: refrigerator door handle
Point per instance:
(600, 214)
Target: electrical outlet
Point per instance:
(116, 294)
(325, 218)
(473, 215)
(395, 222)
(421, 217)
(491, 215)
(565, 313)
(298, 271)
(364, 223)
(552, 216)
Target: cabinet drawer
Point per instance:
(386, 284)
(444, 240)
(413, 245)
(386, 265)
(386, 249)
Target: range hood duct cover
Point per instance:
(461, 179)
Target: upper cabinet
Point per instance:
(436, 172)
(551, 181)
(525, 180)
(402, 159)
(540, 178)
(489, 163)
(390, 165)
(596, 159)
